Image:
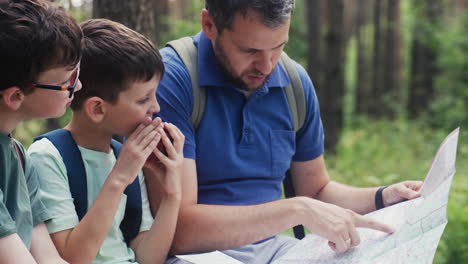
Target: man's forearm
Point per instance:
(216, 227)
(360, 200)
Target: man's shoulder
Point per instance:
(169, 54)
(300, 69)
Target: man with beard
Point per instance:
(246, 142)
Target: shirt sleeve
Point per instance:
(39, 212)
(310, 138)
(146, 217)
(55, 192)
(174, 95)
(7, 225)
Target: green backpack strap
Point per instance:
(188, 53)
(294, 93)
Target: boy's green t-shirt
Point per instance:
(20, 206)
(56, 195)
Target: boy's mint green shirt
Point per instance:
(56, 195)
(20, 206)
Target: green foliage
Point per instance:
(384, 152)
(180, 28)
(375, 153)
(297, 47)
(450, 104)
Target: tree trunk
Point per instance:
(332, 91)
(423, 59)
(161, 11)
(136, 14)
(314, 40)
(363, 57)
(392, 92)
(376, 94)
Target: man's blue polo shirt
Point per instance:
(244, 145)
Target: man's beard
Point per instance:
(228, 69)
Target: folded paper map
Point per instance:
(419, 224)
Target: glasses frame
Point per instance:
(70, 87)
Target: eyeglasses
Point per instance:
(70, 87)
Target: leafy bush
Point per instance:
(384, 152)
(450, 105)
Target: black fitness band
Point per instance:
(379, 199)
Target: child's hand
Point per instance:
(167, 168)
(136, 149)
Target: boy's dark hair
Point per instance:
(114, 56)
(35, 36)
(272, 12)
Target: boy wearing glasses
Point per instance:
(40, 47)
(120, 70)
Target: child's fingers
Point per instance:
(148, 140)
(137, 131)
(177, 137)
(167, 144)
(147, 120)
(143, 134)
(156, 122)
(162, 158)
(152, 144)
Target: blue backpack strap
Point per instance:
(71, 155)
(131, 222)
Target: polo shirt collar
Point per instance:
(210, 72)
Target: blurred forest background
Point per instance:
(391, 77)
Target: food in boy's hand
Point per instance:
(161, 147)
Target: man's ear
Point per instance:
(12, 97)
(208, 25)
(95, 108)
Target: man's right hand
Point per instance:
(337, 224)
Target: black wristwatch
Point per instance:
(379, 204)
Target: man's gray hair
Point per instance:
(273, 13)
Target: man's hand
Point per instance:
(338, 225)
(398, 192)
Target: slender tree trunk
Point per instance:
(392, 91)
(161, 11)
(332, 91)
(363, 57)
(136, 14)
(423, 59)
(377, 60)
(314, 40)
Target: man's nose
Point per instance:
(264, 63)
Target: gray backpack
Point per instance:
(188, 52)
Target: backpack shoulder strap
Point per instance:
(71, 155)
(131, 222)
(294, 93)
(188, 53)
(297, 106)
